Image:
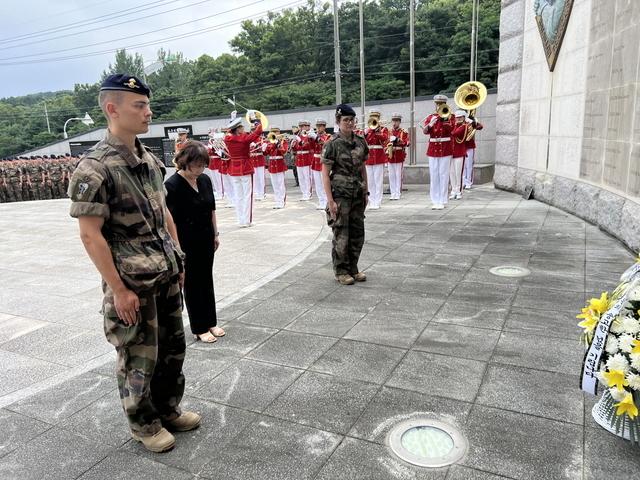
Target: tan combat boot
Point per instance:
(360, 277)
(160, 442)
(345, 279)
(185, 422)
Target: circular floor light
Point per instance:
(427, 443)
(512, 271)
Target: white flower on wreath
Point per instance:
(616, 325)
(635, 361)
(634, 293)
(618, 362)
(600, 376)
(625, 342)
(634, 380)
(612, 345)
(618, 395)
(630, 325)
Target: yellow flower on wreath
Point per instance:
(616, 378)
(627, 406)
(592, 312)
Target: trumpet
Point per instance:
(443, 111)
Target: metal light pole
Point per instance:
(336, 52)
(46, 115)
(474, 32)
(87, 120)
(362, 79)
(412, 83)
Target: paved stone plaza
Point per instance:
(312, 375)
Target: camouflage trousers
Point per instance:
(150, 357)
(348, 235)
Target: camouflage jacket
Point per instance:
(128, 192)
(345, 159)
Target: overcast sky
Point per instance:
(29, 29)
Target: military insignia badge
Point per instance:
(82, 188)
(132, 83)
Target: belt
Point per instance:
(398, 148)
(438, 140)
(303, 151)
(276, 158)
(255, 154)
(317, 155)
(375, 147)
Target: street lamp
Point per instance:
(87, 120)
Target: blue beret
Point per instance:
(125, 83)
(345, 110)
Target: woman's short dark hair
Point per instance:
(192, 152)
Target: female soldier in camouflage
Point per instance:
(345, 182)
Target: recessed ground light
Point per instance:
(480, 215)
(510, 271)
(427, 443)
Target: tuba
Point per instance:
(469, 96)
(253, 115)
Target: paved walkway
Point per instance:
(312, 375)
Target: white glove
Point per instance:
(264, 147)
(468, 120)
(251, 114)
(312, 135)
(393, 138)
(366, 131)
(432, 122)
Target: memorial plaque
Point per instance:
(602, 19)
(627, 13)
(625, 56)
(591, 160)
(621, 105)
(599, 65)
(595, 114)
(633, 188)
(616, 165)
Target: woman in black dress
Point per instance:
(193, 207)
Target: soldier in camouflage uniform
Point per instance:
(4, 188)
(45, 175)
(55, 177)
(14, 188)
(117, 194)
(25, 181)
(345, 182)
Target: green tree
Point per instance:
(125, 63)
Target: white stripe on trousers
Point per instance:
(455, 174)
(279, 188)
(229, 190)
(322, 196)
(375, 177)
(468, 167)
(216, 180)
(395, 179)
(258, 182)
(304, 179)
(439, 179)
(243, 188)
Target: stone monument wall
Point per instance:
(573, 134)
